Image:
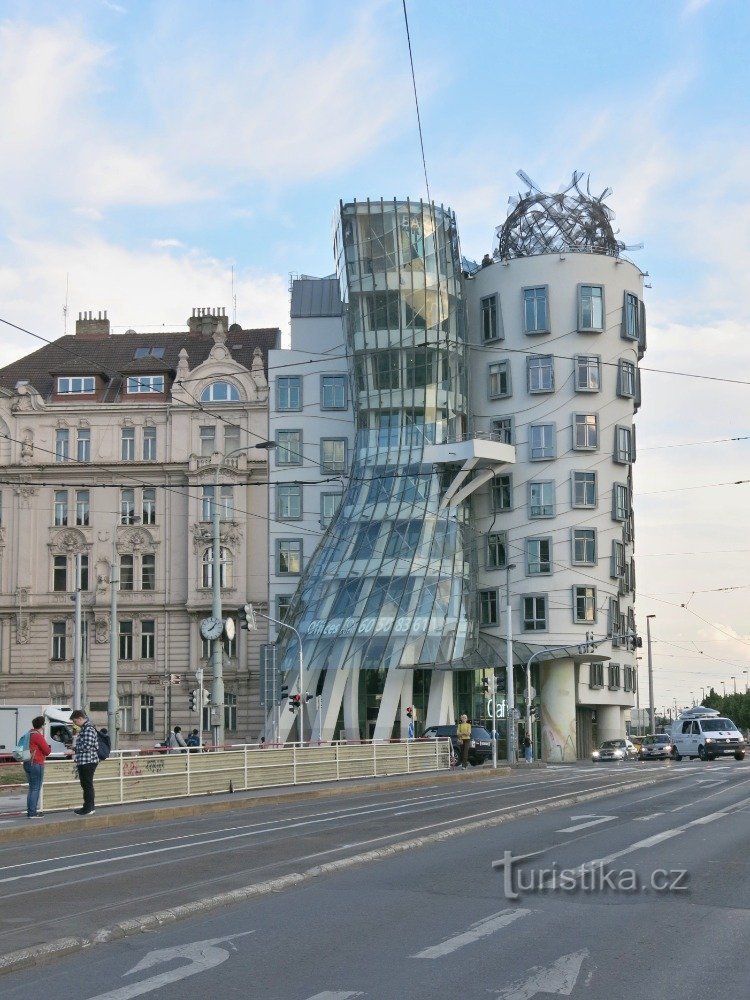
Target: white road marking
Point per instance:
(337, 995)
(642, 819)
(559, 978)
(592, 821)
(481, 929)
(201, 955)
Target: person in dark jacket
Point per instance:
(34, 768)
(86, 756)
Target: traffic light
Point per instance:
(308, 697)
(193, 703)
(294, 702)
(204, 698)
(283, 692)
(410, 712)
(485, 685)
(246, 615)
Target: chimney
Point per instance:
(91, 327)
(205, 320)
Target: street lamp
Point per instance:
(745, 673)
(650, 674)
(734, 680)
(724, 686)
(510, 693)
(703, 695)
(217, 643)
(301, 664)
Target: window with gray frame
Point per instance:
(585, 431)
(617, 563)
(627, 374)
(497, 544)
(503, 430)
(329, 504)
(489, 611)
(583, 489)
(613, 621)
(502, 492)
(596, 675)
(61, 508)
(624, 453)
(289, 392)
(148, 506)
(289, 447)
(620, 502)
(127, 572)
(231, 437)
(540, 373)
(535, 310)
(289, 556)
(147, 713)
(125, 639)
(488, 309)
(148, 639)
(149, 444)
(588, 373)
(283, 603)
(127, 506)
(542, 498)
(590, 308)
(534, 613)
(207, 435)
(584, 547)
(631, 317)
(83, 444)
(148, 571)
(226, 503)
(333, 454)
(127, 444)
(59, 573)
(542, 442)
(333, 392)
(584, 604)
(613, 676)
(82, 508)
(538, 556)
(499, 379)
(62, 444)
(230, 711)
(288, 502)
(59, 643)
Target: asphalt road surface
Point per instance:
(642, 893)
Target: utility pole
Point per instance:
(510, 697)
(650, 674)
(77, 702)
(112, 701)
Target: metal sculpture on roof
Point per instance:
(570, 221)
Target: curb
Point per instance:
(27, 957)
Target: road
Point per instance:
(671, 913)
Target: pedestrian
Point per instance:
(463, 731)
(34, 768)
(193, 741)
(86, 757)
(177, 743)
(528, 750)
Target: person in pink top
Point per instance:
(34, 768)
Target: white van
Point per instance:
(705, 734)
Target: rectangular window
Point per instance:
(613, 680)
(226, 503)
(231, 438)
(497, 542)
(538, 556)
(207, 436)
(147, 713)
(283, 603)
(288, 503)
(126, 713)
(138, 384)
(230, 711)
(82, 508)
(626, 379)
(420, 367)
(59, 644)
(535, 613)
(125, 639)
(590, 308)
(540, 373)
(542, 442)
(59, 574)
(148, 639)
(386, 370)
(289, 392)
(83, 444)
(499, 379)
(542, 499)
(127, 506)
(535, 310)
(502, 492)
(620, 502)
(365, 540)
(583, 489)
(502, 430)
(333, 392)
(289, 556)
(148, 571)
(84, 572)
(289, 448)
(127, 444)
(333, 455)
(76, 386)
(148, 511)
(488, 309)
(618, 564)
(126, 572)
(488, 607)
(149, 444)
(584, 604)
(596, 675)
(61, 508)
(588, 373)
(584, 547)
(631, 317)
(613, 621)
(585, 431)
(329, 504)
(62, 444)
(624, 452)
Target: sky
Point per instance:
(158, 155)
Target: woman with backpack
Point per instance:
(39, 750)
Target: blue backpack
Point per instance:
(22, 750)
(103, 744)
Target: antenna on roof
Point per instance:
(65, 306)
(234, 300)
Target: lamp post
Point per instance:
(217, 657)
(703, 695)
(650, 674)
(114, 583)
(734, 681)
(745, 673)
(724, 688)
(510, 695)
(301, 664)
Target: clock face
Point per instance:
(211, 628)
(229, 628)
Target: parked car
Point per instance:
(615, 750)
(655, 746)
(480, 745)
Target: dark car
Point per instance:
(615, 750)
(656, 746)
(480, 744)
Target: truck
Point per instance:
(15, 720)
(704, 733)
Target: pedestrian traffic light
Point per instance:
(193, 703)
(294, 702)
(204, 698)
(410, 712)
(485, 685)
(283, 692)
(246, 615)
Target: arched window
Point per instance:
(220, 392)
(226, 568)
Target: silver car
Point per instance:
(657, 746)
(615, 750)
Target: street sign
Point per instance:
(175, 678)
